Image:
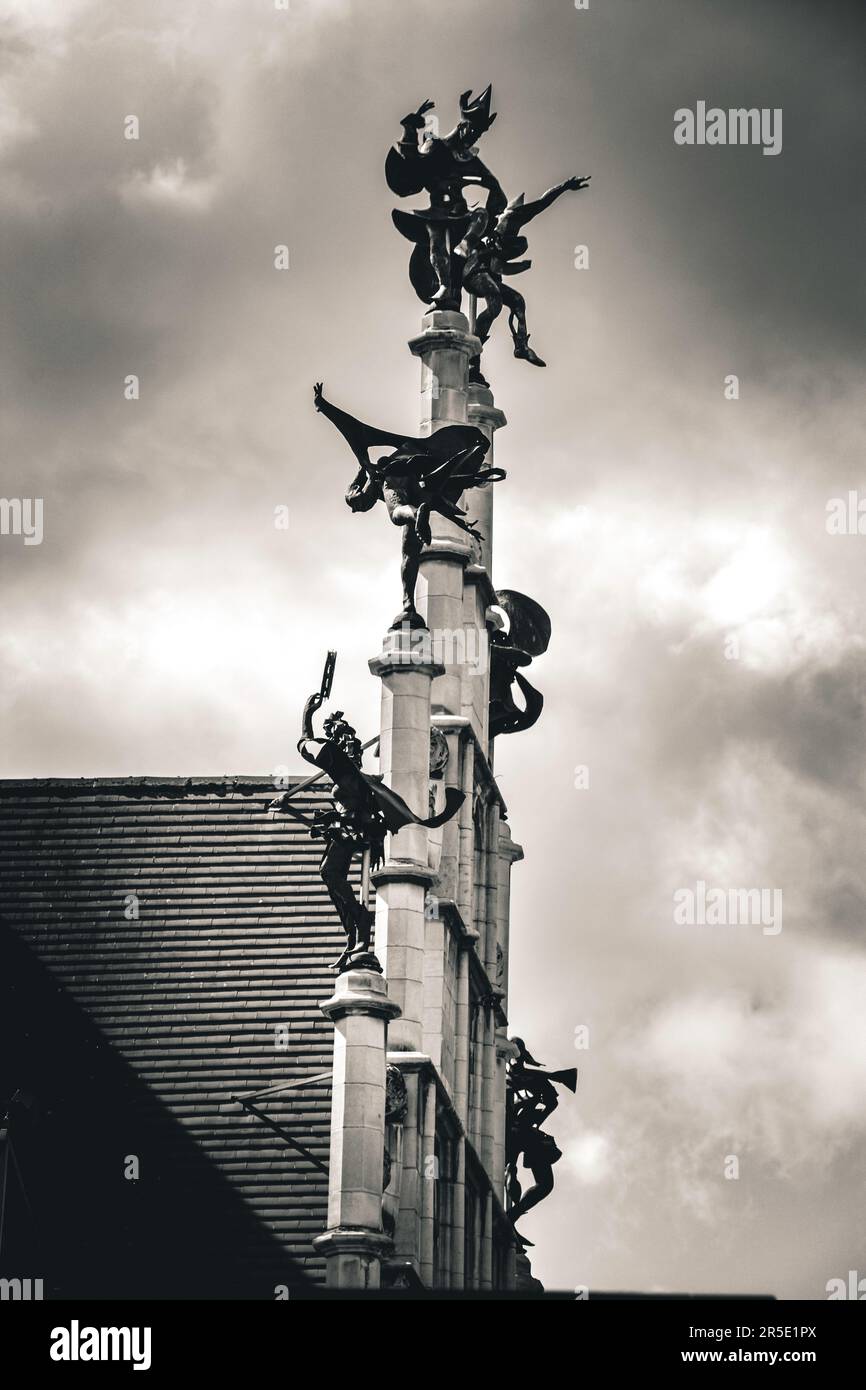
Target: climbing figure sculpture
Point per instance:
(530, 1098)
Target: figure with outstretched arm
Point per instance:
(530, 1099)
(362, 812)
(519, 212)
(495, 254)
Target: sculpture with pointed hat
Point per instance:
(456, 246)
(443, 166)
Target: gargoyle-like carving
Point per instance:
(438, 753)
(396, 1096)
(396, 1109)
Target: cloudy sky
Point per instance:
(708, 660)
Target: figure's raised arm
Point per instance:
(414, 123)
(314, 703)
(522, 213)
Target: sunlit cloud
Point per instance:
(169, 186)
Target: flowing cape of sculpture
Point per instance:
(528, 636)
(418, 477)
(531, 1097)
(456, 246)
(363, 811)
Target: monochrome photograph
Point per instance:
(433, 671)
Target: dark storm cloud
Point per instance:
(772, 242)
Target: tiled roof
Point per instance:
(135, 1035)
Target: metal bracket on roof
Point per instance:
(285, 1086)
(284, 1134)
(245, 1101)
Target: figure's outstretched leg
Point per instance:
(542, 1187)
(512, 1183)
(406, 517)
(334, 869)
(517, 323)
(487, 288)
(473, 234)
(422, 524)
(440, 260)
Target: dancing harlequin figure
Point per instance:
(362, 813)
(457, 246)
(443, 167)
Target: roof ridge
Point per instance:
(264, 782)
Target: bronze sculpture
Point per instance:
(528, 636)
(362, 813)
(420, 476)
(531, 1097)
(443, 167)
(456, 246)
(494, 253)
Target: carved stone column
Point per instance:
(487, 1121)
(429, 1179)
(445, 347)
(406, 671)
(355, 1243)
(482, 412)
(486, 1254)
(505, 1051)
(458, 1258)
(510, 853)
